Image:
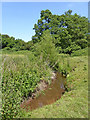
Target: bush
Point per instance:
(46, 50)
(81, 52)
(18, 82)
(7, 48)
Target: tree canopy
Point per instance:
(10, 43)
(69, 31)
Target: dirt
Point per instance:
(42, 85)
(45, 94)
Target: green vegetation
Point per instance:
(81, 52)
(12, 44)
(20, 76)
(74, 103)
(60, 44)
(69, 33)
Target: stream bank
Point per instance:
(46, 94)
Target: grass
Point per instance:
(22, 52)
(74, 103)
(20, 75)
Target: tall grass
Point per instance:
(20, 76)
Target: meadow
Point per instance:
(60, 44)
(74, 103)
(21, 71)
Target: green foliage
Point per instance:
(18, 82)
(69, 31)
(45, 50)
(64, 64)
(12, 44)
(72, 48)
(82, 52)
(74, 103)
(7, 48)
(20, 76)
(22, 70)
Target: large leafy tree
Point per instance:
(42, 25)
(68, 31)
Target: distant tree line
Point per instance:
(69, 33)
(10, 43)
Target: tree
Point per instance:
(66, 29)
(42, 25)
(11, 42)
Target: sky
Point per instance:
(18, 18)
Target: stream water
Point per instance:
(52, 93)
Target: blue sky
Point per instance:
(18, 18)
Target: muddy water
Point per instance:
(48, 96)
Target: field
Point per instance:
(74, 103)
(44, 75)
(21, 73)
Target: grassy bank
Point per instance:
(21, 73)
(74, 103)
